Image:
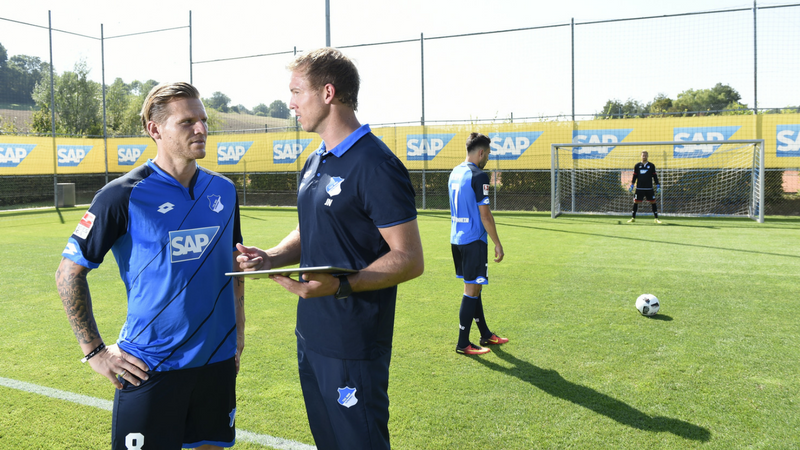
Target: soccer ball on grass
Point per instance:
(647, 304)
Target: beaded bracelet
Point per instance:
(93, 352)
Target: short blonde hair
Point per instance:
(155, 105)
(329, 65)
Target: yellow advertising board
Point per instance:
(515, 146)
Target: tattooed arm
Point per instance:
(111, 361)
(238, 296)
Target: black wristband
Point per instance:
(93, 352)
(344, 290)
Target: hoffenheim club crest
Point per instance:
(334, 187)
(347, 396)
(215, 203)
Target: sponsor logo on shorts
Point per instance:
(347, 396)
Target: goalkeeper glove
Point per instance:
(658, 189)
(630, 189)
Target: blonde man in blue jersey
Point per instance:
(472, 221)
(173, 227)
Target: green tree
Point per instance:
(615, 109)
(218, 101)
(261, 110)
(77, 103)
(707, 101)
(278, 109)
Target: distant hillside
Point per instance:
(236, 122)
(21, 119)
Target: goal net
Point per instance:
(699, 178)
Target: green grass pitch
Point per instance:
(715, 369)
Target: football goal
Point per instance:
(697, 178)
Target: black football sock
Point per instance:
(465, 319)
(655, 210)
(480, 319)
(635, 208)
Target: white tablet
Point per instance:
(286, 271)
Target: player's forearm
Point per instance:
(73, 288)
(287, 252)
(403, 262)
(491, 229)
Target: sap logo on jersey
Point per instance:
(425, 147)
(127, 155)
(695, 134)
(72, 155)
(13, 154)
(512, 145)
(596, 137)
(188, 245)
(230, 153)
(788, 137)
(287, 151)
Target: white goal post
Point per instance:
(697, 178)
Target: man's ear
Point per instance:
(328, 93)
(153, 130)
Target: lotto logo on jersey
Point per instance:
(230, 153)
(597, 137)
(127, 155)
(287, 151)
(788, 138)
(699, 134)
(13, 154)
(511, 145)
(425, 147)
(188, 245)
(72, 155)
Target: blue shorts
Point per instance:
(178, 408)
(471, 261)
(347, 400)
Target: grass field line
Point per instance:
(243, 435)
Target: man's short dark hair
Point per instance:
(477, 141)
(330, 66)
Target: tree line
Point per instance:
(25, 80)
(722, 99)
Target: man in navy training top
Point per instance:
(172, 227)
(356, 210)
(644, 174)
(471, 221)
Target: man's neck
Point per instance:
(338, 128)
(182, 171)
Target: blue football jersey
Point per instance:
(173, 246)
(468, 187)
